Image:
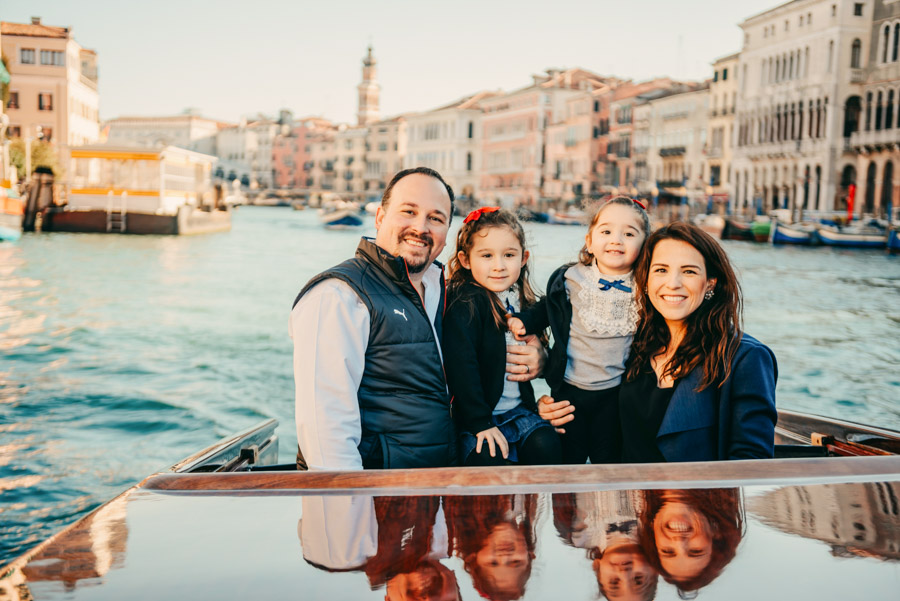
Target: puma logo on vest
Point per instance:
(401, 313)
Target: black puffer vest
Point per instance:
(403, 401)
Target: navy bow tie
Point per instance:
(617, 284)
(624, 527)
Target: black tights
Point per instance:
(595, 432)
(542, 447)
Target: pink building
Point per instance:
(292, 153)
(514, 127)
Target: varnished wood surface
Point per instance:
(539, 479)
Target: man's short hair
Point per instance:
(386, 197)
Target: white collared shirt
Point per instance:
(330, 329)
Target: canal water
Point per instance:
(119, 355)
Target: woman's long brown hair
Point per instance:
(459, 275)
(712, 332)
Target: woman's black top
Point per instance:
(642, 407)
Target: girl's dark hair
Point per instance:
(585, 256)
(712, 332)
(459, 275)
(724, 510)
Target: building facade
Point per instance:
(448, 139)
(800, 75)
(53, 86)
(191, 132)
(720, 135)
(292, 153)
(876, 116)
(386, 147)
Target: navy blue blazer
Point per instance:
(736, 421)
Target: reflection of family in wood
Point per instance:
(630, 538)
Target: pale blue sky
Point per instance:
(231, 58)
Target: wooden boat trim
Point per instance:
(540, 478)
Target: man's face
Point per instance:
(415, 223)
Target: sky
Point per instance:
(230, 59)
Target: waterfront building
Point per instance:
(514, 127)
(292, 153)
(448, 139)
(720, 135)
(188, 131)
(800, 76)
(322, 165)
(386, 147)
(368, 91)
(570, 151)
(671, 127)
(872, 119)
(350, 162)
(53, 86)
(245, 152)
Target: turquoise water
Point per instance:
(119, 355)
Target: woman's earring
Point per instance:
(709, 294)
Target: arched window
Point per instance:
(800, 120)
(885, 39)
(868, 111)
(791, 67)
(889, 110)
(830, 53)
(878, 112)
(806, 63)
(855, 54)
(896, 41)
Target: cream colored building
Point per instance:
(568, 162)
(672, 128)
(53, 86)
(801, 64)
(448, 140)
(720, 135)
(350, 162)
(191, 132)
(386, 147)
(246, 150)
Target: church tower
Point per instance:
(368, 92)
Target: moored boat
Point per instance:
(344, 535)
(11, 212)
(737, 230)
(569, 218)
(852, 236)
(782, 233)
(131, 190)
(760, 229)
(893, 241)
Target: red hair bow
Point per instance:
(639, 203)
(477, 213)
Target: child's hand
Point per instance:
(516, 326)
(557, 413)
(493, 436)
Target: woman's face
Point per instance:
(677, 280)
(683, 540)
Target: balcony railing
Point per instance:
(875, 137)
(671, 151)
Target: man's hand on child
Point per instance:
(493, 436)
(555, 412)
(516, 326)
(525, 362)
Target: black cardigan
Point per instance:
(555, 311)
(475, 359)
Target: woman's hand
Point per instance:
(555, 412)
(493, 436)
(525, 362)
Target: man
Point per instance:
(370, 386)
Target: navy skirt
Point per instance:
(516, 425)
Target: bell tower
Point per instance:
(368, 92)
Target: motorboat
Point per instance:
(340, 214)
(820, 521)
(893, 241)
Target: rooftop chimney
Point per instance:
(35, 20)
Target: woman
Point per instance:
(696, 387)
(690, 536)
